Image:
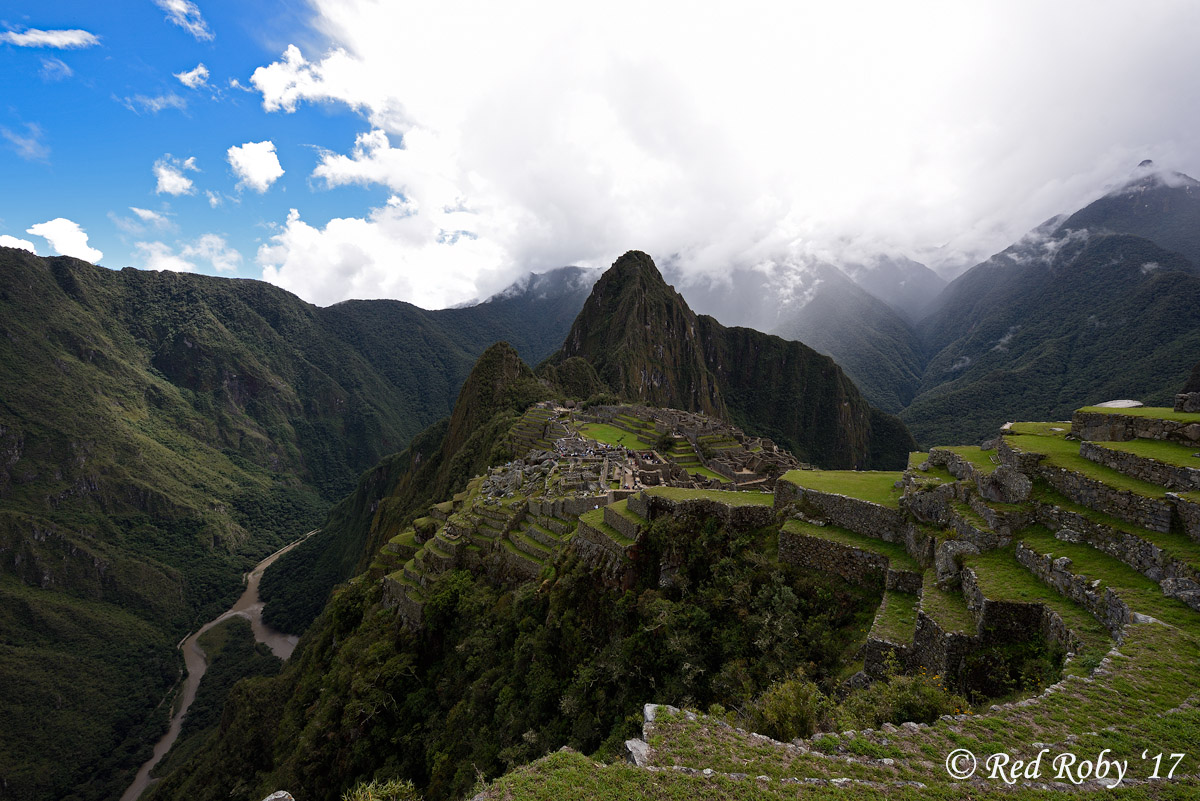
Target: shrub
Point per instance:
(792, 708)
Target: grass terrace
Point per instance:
(727, 497)
(897, 618)
(1153, 412)
(1003, 578)
(874, 486)
(897, 556)
(595, 519)
(611, 435)
(1171, 453)
(980, 459)
(1142, 594)
(1174, 544)
(948, 609)
(1064, 453)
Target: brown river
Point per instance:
(248, 606)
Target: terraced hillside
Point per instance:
(1089, 546)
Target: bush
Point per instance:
(391, 790)
(921, 698)
(792, 708)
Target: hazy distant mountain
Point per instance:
(1076, 312)
(908, 286)
(821, 306)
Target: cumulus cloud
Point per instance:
(7, 241)
(160, 256)
(28, 146)
(186, 15)
(391, 253)
(55, 69)
(170, 173)
(255, 165)
(61, 39)
(66, 238)
(210, 248)
(784, 133)
(213, 249)
(193, 78)
(153, 104)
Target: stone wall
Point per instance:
(862, 517)
(567, 507)
(601, 553)
(1151, 513)
(1143, 556)
(1026, 463)
(1101, 427)
(1002, 521)
(854, 565)
(621, 523)
(1187, 402)
(1165, 475)
(1189, 514)
(735, 518)
(1105, 606)
(1009, 621)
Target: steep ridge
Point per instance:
(648, 346)
(436, 464)
(161, 431)
(641, 338)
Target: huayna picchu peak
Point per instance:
(648, 346)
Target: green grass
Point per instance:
(727, 497)
(595, 519)
(873, 486)
(948, 609)
(1153, 412)
(622, 508)
(1003, 578)
(1142, 594)
(611, 435)
(897, 556)
(1171, 453)
(704, 471)
(1176, 545)
(981, 460)
(897, 618)
(1064, 453)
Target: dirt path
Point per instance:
(249, 606)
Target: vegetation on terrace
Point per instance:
(898, 557)
(874, 486)
(1153, 412)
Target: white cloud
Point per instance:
(55, 69)
(7, 241)
(142, 220)
(193, 78)
(390, 254)
(786, 131)
(155, 218)
(186, 15)
(160, 256)
(139, 104)
(255, 164)
(61, 39)
(214, 199)
(213, 249)
(30, 146)
(66, 238)
(170, 173)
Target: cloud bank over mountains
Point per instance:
(528, 137)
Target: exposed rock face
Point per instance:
(646, 344)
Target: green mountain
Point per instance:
(161, 432)
(647, 345)
(437, 464)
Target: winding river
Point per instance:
(248, 606)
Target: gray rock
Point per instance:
(1005, 484)
(280, 795)
(637, 752)
(948, 560)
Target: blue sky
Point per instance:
(436, 151)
